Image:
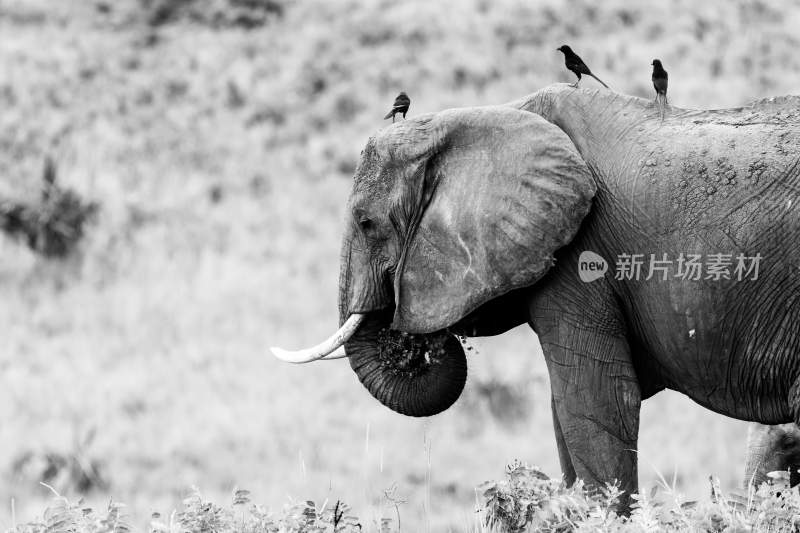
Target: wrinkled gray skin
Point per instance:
(471, 221)
(770, 449)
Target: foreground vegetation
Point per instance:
(525, 500)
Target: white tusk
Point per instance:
(327, 349)
(338, 353)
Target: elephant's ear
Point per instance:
(502, 190)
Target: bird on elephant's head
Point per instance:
(472, 221)
(400, 105)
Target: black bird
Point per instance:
(660, 79)
(574, 63)
(400, 105)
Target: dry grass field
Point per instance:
(219, 139)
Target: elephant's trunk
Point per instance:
(754, 471)
(415, 375)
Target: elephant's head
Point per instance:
(770, 449)
(451, 216)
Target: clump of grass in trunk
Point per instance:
(52, 226)
(408, 354)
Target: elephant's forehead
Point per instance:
(370, 192)
(372, 181)
(369, 166)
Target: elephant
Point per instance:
(769, 449)
(646, 253)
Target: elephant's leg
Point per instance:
(563, 453)
(595, 389)
(596, 401)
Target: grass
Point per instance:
(525, 500)
(221, 158)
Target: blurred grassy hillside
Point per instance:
(219, 138)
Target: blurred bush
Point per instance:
(54, 225)
(247, 14)
(74, 470)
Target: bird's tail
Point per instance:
(389, 114)
(601, 81)
(661, 103)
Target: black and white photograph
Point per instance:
(340, 266)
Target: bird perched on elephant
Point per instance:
(400, 105)
(660, 79)
(575, 64)
(645, 256)
(770, 449)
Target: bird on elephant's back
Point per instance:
(582, 214)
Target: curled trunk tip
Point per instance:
(414, 375)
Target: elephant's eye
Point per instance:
(366, 224)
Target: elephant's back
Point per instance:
(719, 170)
(726, 190)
